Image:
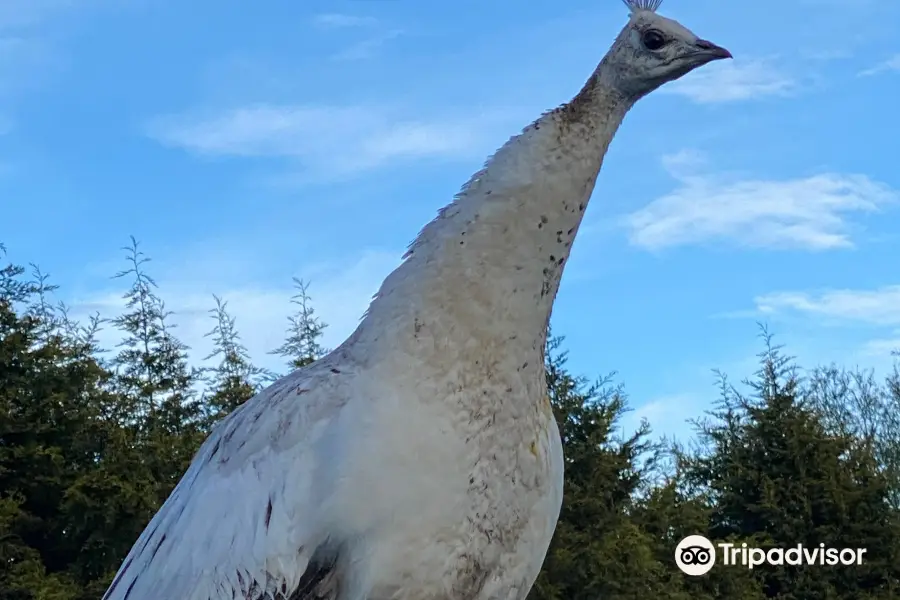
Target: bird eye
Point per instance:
(653, 39)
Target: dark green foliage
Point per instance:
(52, 434)
(91, 444)
(774, 475)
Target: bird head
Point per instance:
(652, 50)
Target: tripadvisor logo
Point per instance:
(696, 555)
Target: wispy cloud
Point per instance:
(825, 54)
(806, 213)
(331, 141)
(879, 306)
(377, 35)
(874, 308)
(882, 346)
(368, 47)
(339, 20)
(731, 81)
(891, 64)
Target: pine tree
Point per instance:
(235, 379)
(777, 477)
(302, 347)
(668, 515)
(137, 363)
(51, 435)
(155, 380)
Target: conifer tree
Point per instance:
(51, 436)
(776, 477)
(154, 379)
(302, 347)
(235, 379)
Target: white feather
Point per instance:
(216, 534)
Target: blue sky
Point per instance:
(243, 147)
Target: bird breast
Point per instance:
(458, 479)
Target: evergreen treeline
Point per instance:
(92, 442)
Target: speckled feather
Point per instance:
(420, 460)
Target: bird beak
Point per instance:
(711, 51)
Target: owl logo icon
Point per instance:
(695, 555)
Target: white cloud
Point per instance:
(825, 54)
(362, 49)
(730, 81)
(891, 64)
(367, 48)
(806, 213)
(875, 307)
(340, 295)
(325, 140)
(339, 20)
(684, 162)
(882, 347)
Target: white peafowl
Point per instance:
(419, 460)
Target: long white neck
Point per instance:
(486, 271)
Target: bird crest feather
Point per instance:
(637, 5)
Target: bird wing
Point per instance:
(240, 523)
